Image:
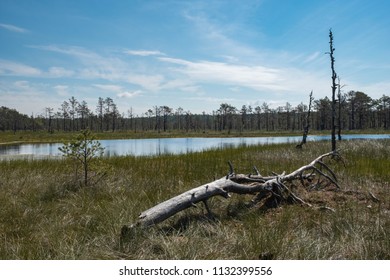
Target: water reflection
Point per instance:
(149, 147)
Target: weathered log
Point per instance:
(240, 184)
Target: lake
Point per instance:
(160, 146)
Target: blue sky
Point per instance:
(189, 54)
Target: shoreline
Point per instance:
(28, 137)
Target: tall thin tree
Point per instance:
(306, 124)
(341, 100)
(334, 87)
(100, 112)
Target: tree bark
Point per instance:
(271, 188)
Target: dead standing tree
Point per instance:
(271, 190)
(334, 86)
(307, 124)
(341, 101)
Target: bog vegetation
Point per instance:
(75, 207)
(46, 215)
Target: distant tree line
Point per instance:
(355, 110)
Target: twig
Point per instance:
(373, 197)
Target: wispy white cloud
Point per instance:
(288, 84)
(181, 84)
(69, 50)
(20, 89)
(144, 53)
(109, 68)
(12, 68)
(22, 85)
(312, 57)
(119, 91)
(213, 100)
(170, 77)
(374, 90)
(26, 96)
(129, 94)
(181, 74)
(148, 82)
(60, 72)
(111, 88)
(220, 37)
(90, 64)
(13, 28)
(62, 90)
(255, 77)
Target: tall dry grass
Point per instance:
(44, 214)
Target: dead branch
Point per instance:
(373, 197)
(271, 188)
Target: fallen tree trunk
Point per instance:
(272, 188)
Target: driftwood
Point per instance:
(272, 189)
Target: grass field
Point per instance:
(45, 214)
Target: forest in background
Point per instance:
(355, 110)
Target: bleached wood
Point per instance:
(233, 183)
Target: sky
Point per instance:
(193, 55)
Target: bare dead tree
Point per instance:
(307, 123)
(341, 100)
(270, 190)
(334, 86)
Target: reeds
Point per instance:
(44, 214)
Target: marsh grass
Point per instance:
(44, 214)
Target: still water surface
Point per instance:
(161, 146)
